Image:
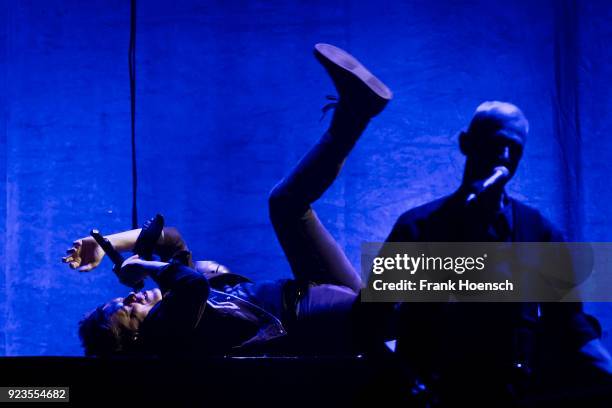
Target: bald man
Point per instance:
(445, 341)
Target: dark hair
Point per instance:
(100, 336)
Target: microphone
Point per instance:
(108, 248)
(500, 175)
(115, 257)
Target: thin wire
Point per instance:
(132, 68)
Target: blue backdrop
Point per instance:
(229, 98)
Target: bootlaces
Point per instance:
(329, 106)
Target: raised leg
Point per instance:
(314, 255)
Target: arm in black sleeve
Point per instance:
(185, 295)
(403, 231)
(566, 323)
(378, 320)
(176, 276)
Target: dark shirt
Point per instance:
(452, 336)
(449, 220)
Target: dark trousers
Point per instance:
(328, 283)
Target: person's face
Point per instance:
(490, 150)
(129, 312)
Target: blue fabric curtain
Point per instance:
(229, 98)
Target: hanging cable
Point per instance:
(132, 68)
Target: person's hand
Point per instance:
(84, 255)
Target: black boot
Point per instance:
(361, 96)
(360, 93)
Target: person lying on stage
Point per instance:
(203, 309)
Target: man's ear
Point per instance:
(465, 143)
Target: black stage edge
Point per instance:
(247, 381)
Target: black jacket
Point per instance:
(194, 319)
(453, 336)
(196, 316)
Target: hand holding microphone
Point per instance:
(500, 175)
(118, 261)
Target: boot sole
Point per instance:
(329, 54)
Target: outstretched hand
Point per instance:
(84, 255)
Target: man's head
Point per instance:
(495, 137)
(113, 328)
